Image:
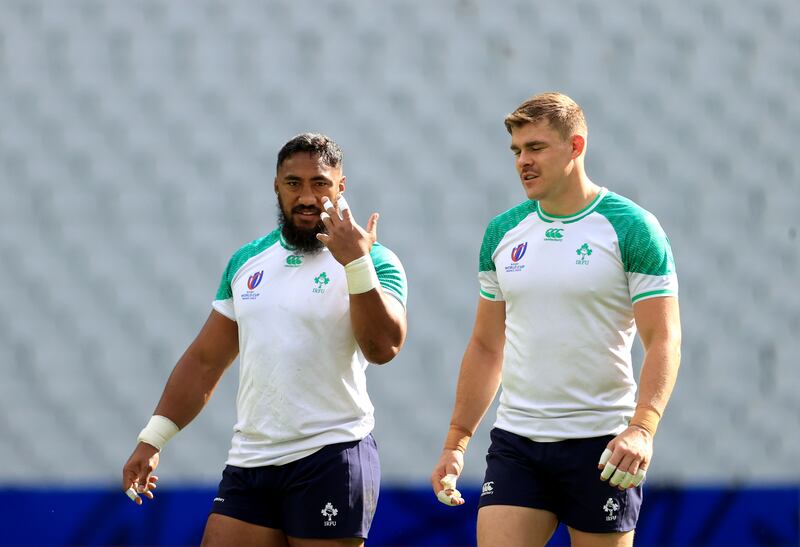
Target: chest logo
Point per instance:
(583, 254)
(516, 255)
(553, 234)
(519, 251)
(254, 280)
(321, 280)
(294, 261)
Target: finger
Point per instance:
(324, 238)
(627, 482)
(617, 477)
(608, 470)
(148, 494)
(639, 477)
(450, 497)
(327, 220)
(604, 457)
(327, 204)
(131, 493)
(449, 481)
(344, 209)
(372, 225)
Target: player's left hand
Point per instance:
(625, 460)
(345, 239)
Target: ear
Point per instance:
(275, 185)
(578, 145)
(342, 184)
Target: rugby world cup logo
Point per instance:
(519, 251)
(254, 280)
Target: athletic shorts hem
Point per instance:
(241, 514)
(596, 531)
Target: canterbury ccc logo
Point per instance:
(294, 260)
(554, 233)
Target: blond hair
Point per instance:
(561, 112)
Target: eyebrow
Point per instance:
(526, 144)
(315, 178)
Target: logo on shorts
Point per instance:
(487, 489)
(329, 511)
(611, 507)
(219, 500)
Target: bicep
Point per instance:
(658, 319)
(217, 343)
(489, 331)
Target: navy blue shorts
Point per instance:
(330, 494)
(559, 477)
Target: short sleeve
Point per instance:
(391, 274)
(223, 302)
(647, 257)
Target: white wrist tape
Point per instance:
(158, 431)
(361, 275)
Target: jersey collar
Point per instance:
(566, 219)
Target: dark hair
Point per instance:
(312, 143)
(561, 112)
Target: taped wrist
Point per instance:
(158, 431)
(457, 438)
(361, 275)
(646, 417)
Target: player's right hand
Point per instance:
(445, 475)
(137, 477)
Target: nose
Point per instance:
(307, 196)
(524, 160)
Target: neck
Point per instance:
(577, 192)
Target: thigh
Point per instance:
(224, 531)
(333, 493)
(588, 504)
(587, 539)
(514, 526)
(516, 474)
(250, 495)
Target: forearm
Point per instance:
(379, 325)
(659, 373)
(478, 382)
(188, 389)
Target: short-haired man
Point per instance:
(566, 279)
(306, 307)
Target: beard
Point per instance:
(302, 240)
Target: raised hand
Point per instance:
(345, 239)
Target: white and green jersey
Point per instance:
(302, 382)
(569, 285)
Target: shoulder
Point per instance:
(251, 249)
(626, 216)
(507, 220)
(498, 227)
(381, 254)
